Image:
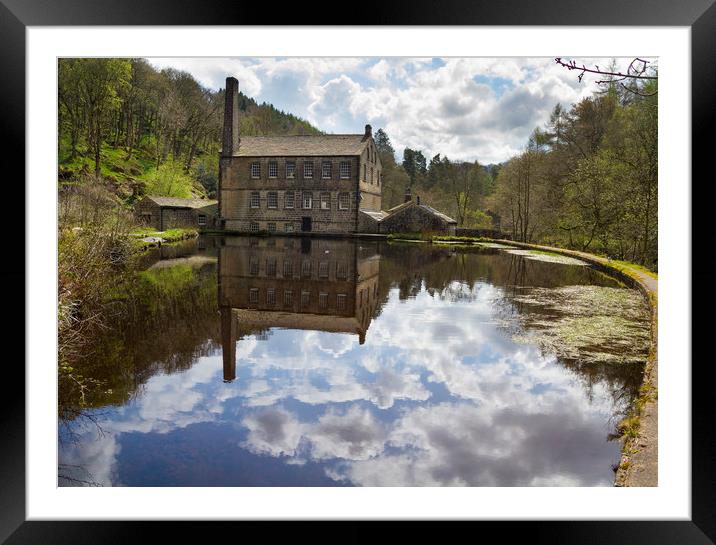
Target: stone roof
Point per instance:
(298, 320)
(376, 215)
(174, 202)
(437, 213)
(429, 209)
(307, 145)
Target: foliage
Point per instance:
(124, 120)
(92, 251)
(169, 180)
(588, 180)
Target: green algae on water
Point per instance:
(591, 324)
(547, 257)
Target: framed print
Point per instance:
(397, 272)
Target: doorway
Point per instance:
(306, 223)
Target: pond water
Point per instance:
(244, 361)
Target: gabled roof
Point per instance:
(376, 215)
(437, 213)
(317, 145)
(174, 202)
(402, 206)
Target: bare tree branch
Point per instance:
(632, 71)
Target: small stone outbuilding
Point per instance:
(411, 216)
(164, 213)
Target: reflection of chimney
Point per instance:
(232, 139)
(361, 337)
(417, 199)
(408, 194)
(228, 343)
(368, 132)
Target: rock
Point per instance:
(153, 240)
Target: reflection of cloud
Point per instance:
(353, 435)
(273, 431)
(173, 401)
(458, 444)
(475, 407)
(92, 460)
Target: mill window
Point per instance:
(272, 199)
(325, 201)
(308, 169)
(343, 201)
(256, 170)
(273, 169)
(326, 170)
(255, 200)
(290, 170)
(307, 200)
(345, 170)
(288, 199)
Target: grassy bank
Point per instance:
(160, 237)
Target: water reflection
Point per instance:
(356, 363)
(306, 284)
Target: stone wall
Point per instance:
(148, 213)
(415, 219)
(237, 186)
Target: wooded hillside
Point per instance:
(140, 130)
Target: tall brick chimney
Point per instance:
(232, 139)
(408, 194)
(368, 132)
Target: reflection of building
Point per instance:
(317, 284)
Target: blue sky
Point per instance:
(464, 108)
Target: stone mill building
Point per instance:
(311, 183)
(325, 184)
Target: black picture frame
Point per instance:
(699, 15)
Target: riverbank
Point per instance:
(143, 239)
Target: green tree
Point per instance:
(100, 82)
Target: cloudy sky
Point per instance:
(465, 108)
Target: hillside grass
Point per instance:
(129, 178)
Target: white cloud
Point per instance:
(463, 108)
